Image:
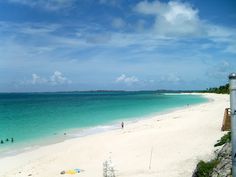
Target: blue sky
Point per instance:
(64, 45)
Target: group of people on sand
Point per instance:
(12, 140)
(7, 140)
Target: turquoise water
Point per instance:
(33, 116)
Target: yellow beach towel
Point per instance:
(71, 172)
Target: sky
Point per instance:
(75, 45)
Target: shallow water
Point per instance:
(34, 117)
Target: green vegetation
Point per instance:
(224, 139)
(224, 89)
(205, 169)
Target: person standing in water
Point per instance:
(122, 125)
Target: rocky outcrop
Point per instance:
(222, 164)
(223, 169)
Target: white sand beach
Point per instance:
(168, 145)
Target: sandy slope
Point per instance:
(177, 141)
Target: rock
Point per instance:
(195, 173)
(224, 167)
(225, 152)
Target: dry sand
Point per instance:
(178, 140)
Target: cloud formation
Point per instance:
(177, 20)
(127, 79)
(172, 18)
(148, 38)
(38, 80)
(56, 78)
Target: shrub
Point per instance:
(224, 139)
(205, 169)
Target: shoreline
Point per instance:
(88, 131)
(130, 147)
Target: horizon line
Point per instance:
(162, 90)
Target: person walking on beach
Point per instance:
(122, 125)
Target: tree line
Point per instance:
(223, 89)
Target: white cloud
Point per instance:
(150, 8)
(127, 79)
(45, 4)
(38, 80)
(118, 23)
(218, 31)
(58, 78)
(178, 20)
(172, 18)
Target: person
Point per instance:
(2, 142)
(12, 140)
(122, 125)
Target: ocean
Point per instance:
(35, 118)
